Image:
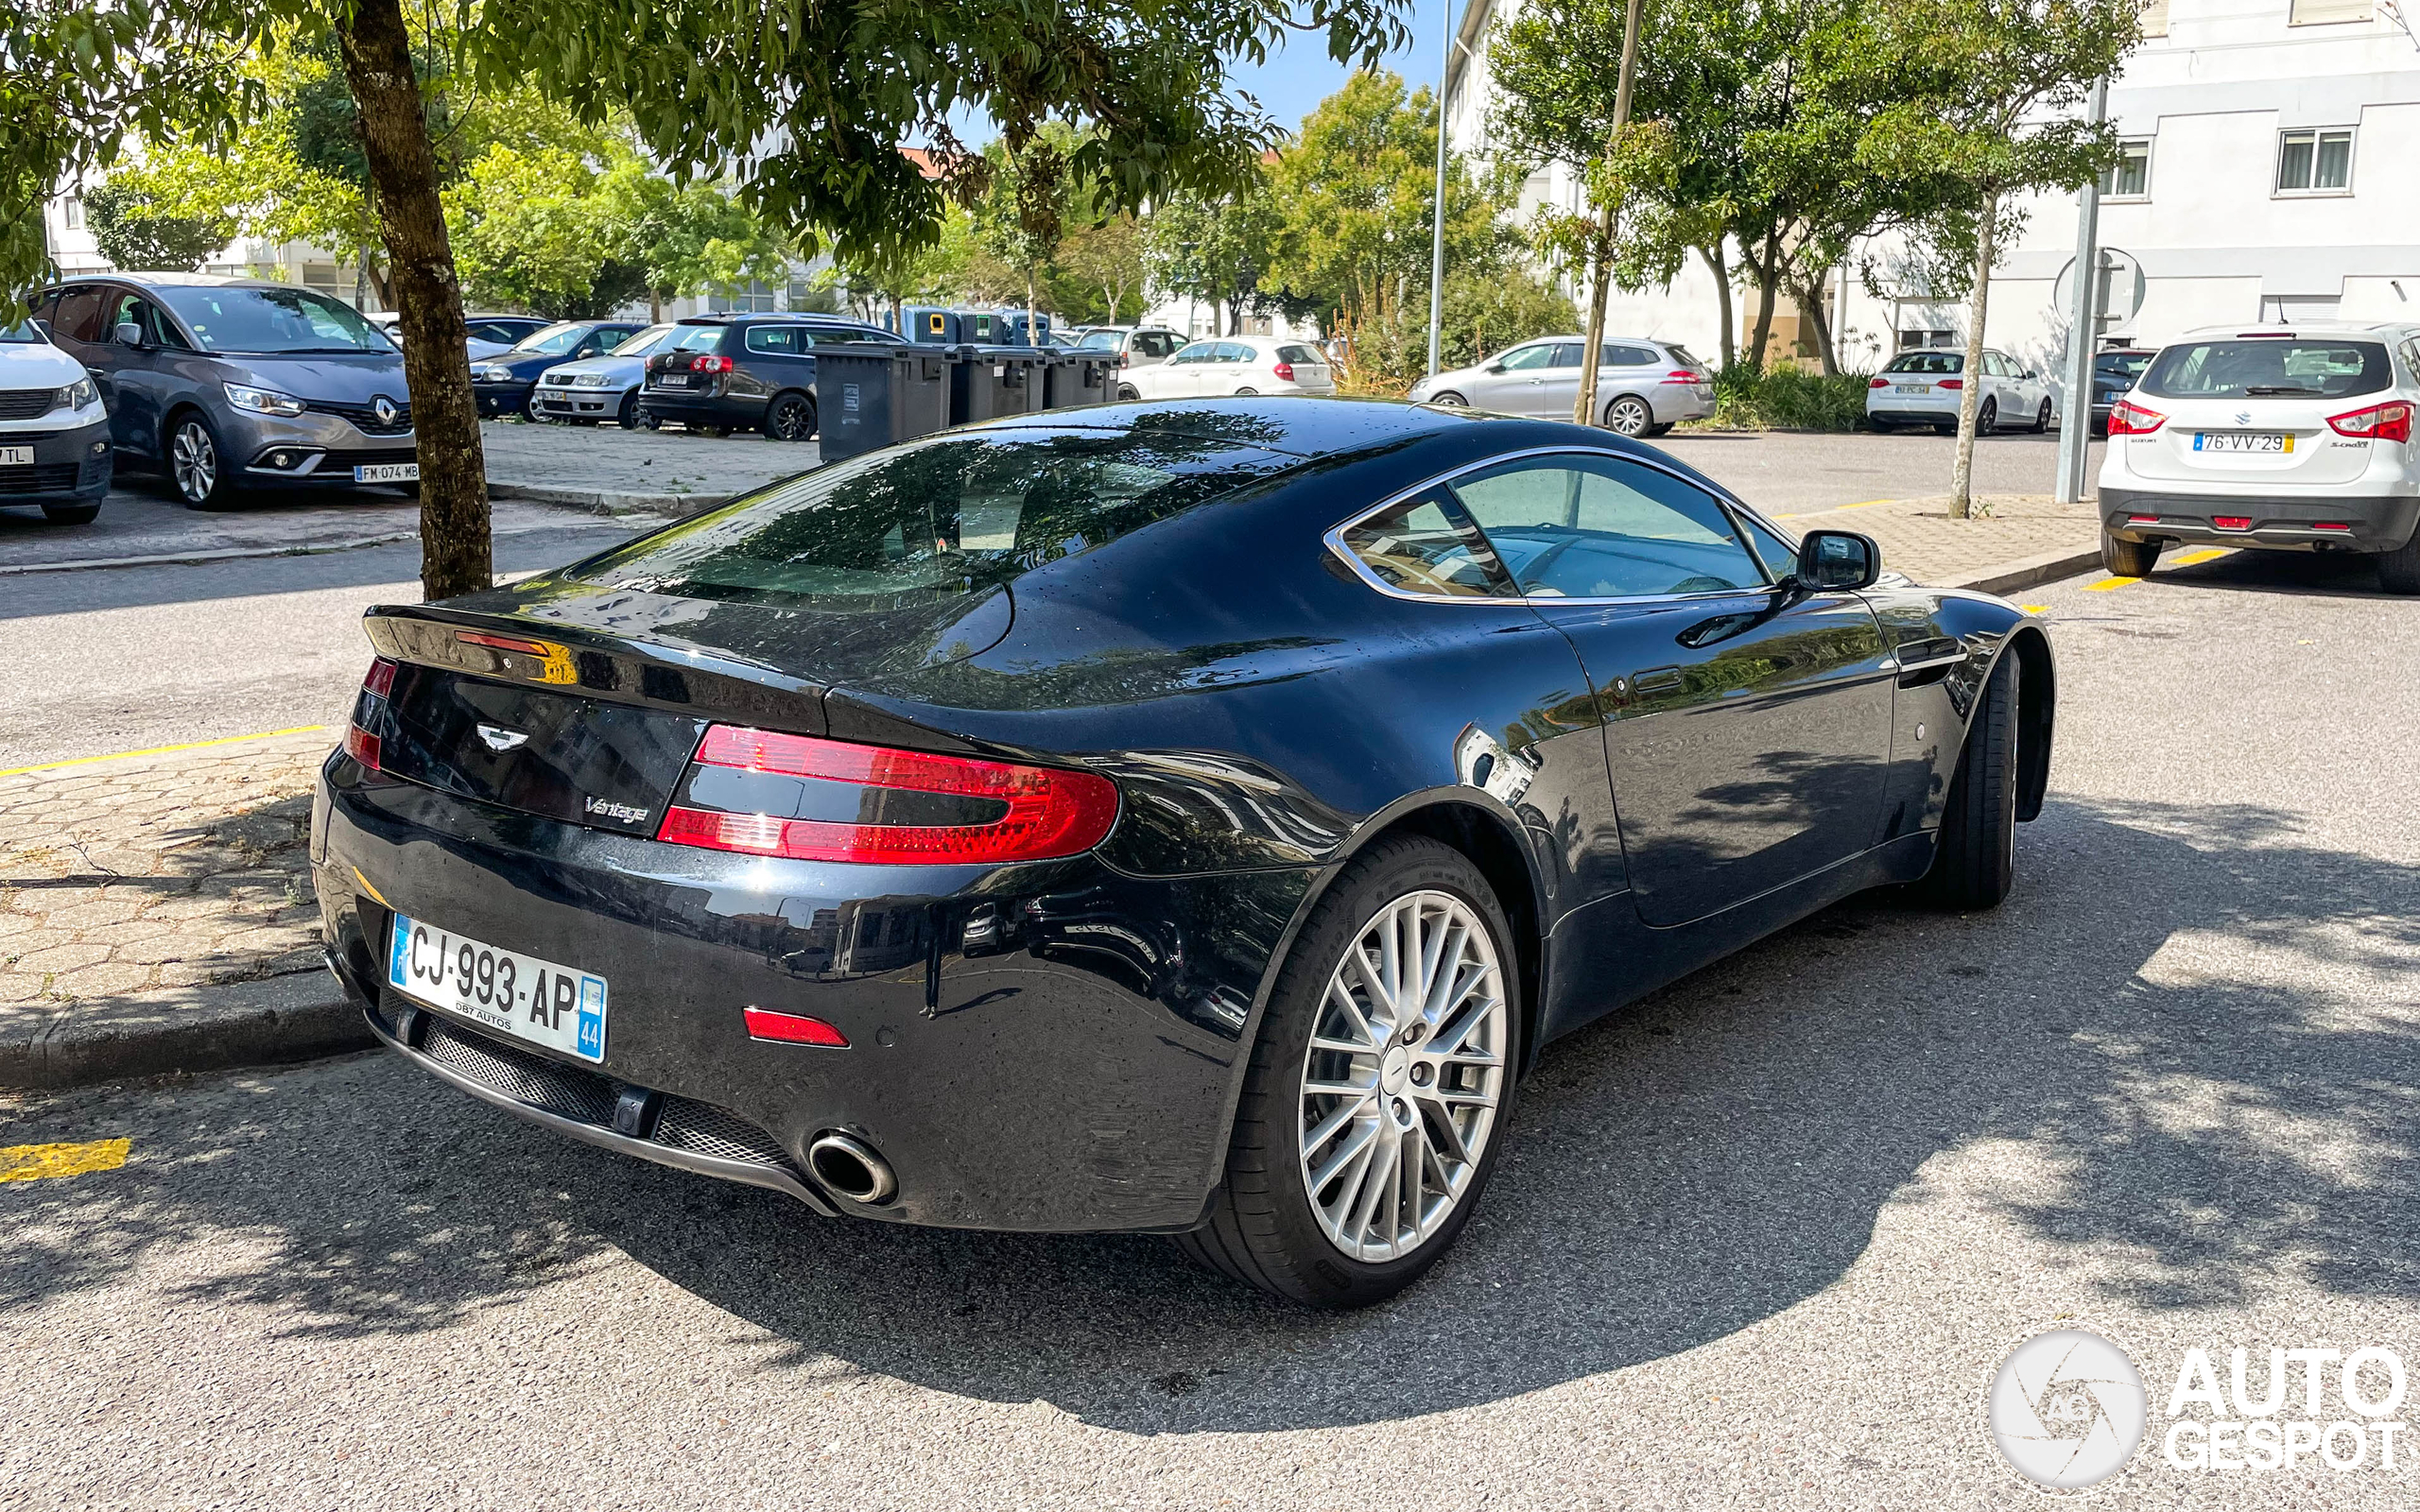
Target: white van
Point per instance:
(54, 430)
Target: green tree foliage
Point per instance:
(1988, 109)
(1218, 249)
(1353, 201)
(135, 232)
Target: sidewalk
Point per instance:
(156, 915)
(156, 912)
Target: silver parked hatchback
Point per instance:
(1644, 388)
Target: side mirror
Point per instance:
(1838, 562)
(129, 334)
(1496, 367)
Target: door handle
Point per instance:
(1655, 679)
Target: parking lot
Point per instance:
(1759, 1241)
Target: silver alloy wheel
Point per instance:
(1628, 416)
(1402, 1076)
(1449, 399)
(194, 461)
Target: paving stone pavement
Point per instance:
(1919, 538)
(181, 870)
(608, 468)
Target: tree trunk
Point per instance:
(1768, 271)
(1584, 408)
(1032, 307)
(457, 554)
(655, 307)
(1970, 397)
(1810, 303)
(1719, 266)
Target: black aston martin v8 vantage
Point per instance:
(1187, 818)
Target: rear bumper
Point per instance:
(1076, 1072)
(72, 466)
(703, 409)
(2377, 522)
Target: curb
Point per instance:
(608, 502)
(2029, 573)
(280, 1019)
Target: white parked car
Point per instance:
(54, 429)
(1643, 387)
(2286, 439)
(1136, 346)
(1922, 388)
(1232, 365)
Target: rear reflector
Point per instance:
(2332, 524)
(2142, 519)
(2232, 522)
(1024, 812)
(792, 1028)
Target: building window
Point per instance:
(72, 213)
(2314, 163)
(2154, 18)
(2326, 12)
(2132, 177)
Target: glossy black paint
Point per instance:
(1648, 784)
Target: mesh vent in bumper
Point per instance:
(702, 1128)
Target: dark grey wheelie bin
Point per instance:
(1077, 378)
(987, 383)
(873, 394)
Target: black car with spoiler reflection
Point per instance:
(1189, 819)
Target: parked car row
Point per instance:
(1643, 387)
(1925, 386)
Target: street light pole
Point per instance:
(2084, 330)
(1437, 216)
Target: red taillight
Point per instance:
(1682, 375)
(2333, 524)
(2380, 423)
(2232, 522)
(503, 643)
(1951, 383)
(792, 1028)
(1285, 371)
(1018, 813)
(703, 364)
(369, 713)
(1878, 383)
(2134, 420)
(1123, 359)
(2142, 519)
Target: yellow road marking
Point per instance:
(2035, 608)
(1863, 503)
(2107, 583)
(31, 1162)
(2204, 554)
(160, 750)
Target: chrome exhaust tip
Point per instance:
(848, 1167)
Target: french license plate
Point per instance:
(559, 1007)
(672, 380)
(1915, 388)
(16, 456)
(387, 472)
(2241, 441)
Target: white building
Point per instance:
(2268, 177)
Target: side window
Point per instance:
(1157, 344)
(1781, 557)
(773, 340)
(79, 315)
(1602, 528)
(1427, 545)
(1198, 352)
(1232, 351)
(1520, 359)
(1618, 356)
(1566, 354)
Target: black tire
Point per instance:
(1973, 864)
(195, 463)
(1628, 415)
(2127, 558)
(1449, 399)
(1879, 425)
(1247, 393)
(790, 416)
(1262, 1229)
(631, 416)
(71, 514)
(1987, 420)
(2042, 417)
(1127, 393)
(1659, 428)
(2399, 569)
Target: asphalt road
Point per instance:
(1760, 1242)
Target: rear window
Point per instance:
(1297, 354)
(2268, 367)
(1098, 342)
(2121, 364)
(1684, 356)
(694, 339)
(946, 517)
(1928, 362)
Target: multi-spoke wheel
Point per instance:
(1379, 1085)
(1629, 416)
(197, 466)
(1402, 1076)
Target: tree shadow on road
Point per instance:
(2183, 1019)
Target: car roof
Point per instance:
(788, 317)
(212, 281)
(2383, 330)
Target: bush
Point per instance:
(1787, 399)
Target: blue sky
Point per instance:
(1297, 79)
